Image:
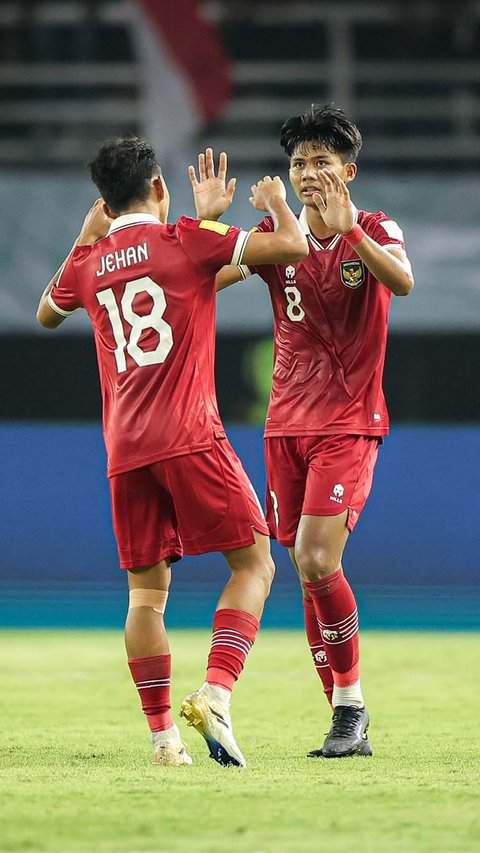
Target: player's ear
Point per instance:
(108, 211)
(159, 186)
(350, 172)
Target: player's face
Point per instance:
(305, 163)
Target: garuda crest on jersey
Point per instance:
(352, 273)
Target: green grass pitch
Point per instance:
(75, 772)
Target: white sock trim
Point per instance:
(220, 694)
(166, 736)
(351, 695)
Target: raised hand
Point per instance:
(266, 191)
(95, 225)
(333, 201)
(211, 194)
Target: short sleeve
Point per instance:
(265, 226)
(385, 231)
(63, 296)
(211, 244)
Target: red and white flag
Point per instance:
(186, 74)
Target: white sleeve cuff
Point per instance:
(57, 309)
(239, 249)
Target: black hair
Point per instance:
(326, 125)
(122, 170)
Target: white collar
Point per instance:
(302, 219)
(132, 219)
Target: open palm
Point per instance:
(333, 201)
(211, 194)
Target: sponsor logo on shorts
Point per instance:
(337, 493)
(321, 656)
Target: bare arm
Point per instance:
(390, 266)
(95, 226)
(46, 315)
(227, 276)
(287, 243)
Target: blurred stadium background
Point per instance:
(227, 73)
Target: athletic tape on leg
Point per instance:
(155, 598)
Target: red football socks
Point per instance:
(317, 648)
(336, 611)
(152, 677)
(234, 633)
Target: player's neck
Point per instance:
(317, 225)
(144, 207)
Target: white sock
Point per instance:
(220, 694)
(166, 736)
(351, 695)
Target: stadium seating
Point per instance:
(408, 72)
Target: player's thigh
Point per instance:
(286, 481)
(215, 503)
(143, 519)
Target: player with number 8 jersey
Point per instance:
(327, 411)
(176, 484)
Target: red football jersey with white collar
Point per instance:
(330, 327)
(149, 290)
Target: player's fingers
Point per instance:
(201, 167)
(266, 178)
(209, 163)
(319, 201)
(338, 183)
(327, 179)
(192, 176)
(222, 166)
(231, 187)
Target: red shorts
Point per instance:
(317, 475)
(190, 504)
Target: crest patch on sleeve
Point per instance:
(218, 227)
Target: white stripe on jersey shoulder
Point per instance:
(303, 222)
(239, 249)
(393, 229)
(57, 309)
(128, 219)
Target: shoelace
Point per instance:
(344, 721)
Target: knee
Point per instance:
(315, 562)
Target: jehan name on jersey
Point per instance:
(123, 258)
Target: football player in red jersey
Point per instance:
(327, 413)
(176, 484)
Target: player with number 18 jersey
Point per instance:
(148, 290)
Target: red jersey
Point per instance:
(330, 326)
(149, 290)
